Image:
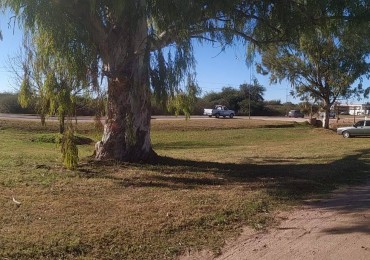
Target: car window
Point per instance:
(367, 123)
(359, 123)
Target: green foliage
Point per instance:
(276, 102)
(252, 98)
(50, 79)
(240, 100)
(69, 148)
(9, 104)
(25, 93)
(48, 138)
(166, 74)
(58, 139)
(184, 102)
(322, 64)
(85, 106)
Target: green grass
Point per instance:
(213, 178)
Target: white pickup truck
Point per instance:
(218, 111)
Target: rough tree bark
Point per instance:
(327, 105)
(127, 130)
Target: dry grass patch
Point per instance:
(126, 212)
(214, 123)
(210, 181)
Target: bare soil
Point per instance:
(334, 228)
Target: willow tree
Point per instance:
(50, 80)
(129, 38)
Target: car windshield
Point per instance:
(359, 123)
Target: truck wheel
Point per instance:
(217, 115)
(224, 116)
(231, 115)
(210, 115)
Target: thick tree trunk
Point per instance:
(127, 130)
(327, 114)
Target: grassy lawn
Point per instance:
(214, 177)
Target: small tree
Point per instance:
(184, 101)
(252, 102)
(239, 99)
(50, 79)
(53, 81)
(322, 63)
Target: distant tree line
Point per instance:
(234, 98)
(247, 98)
(9, 103)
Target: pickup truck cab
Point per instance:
(219, 111)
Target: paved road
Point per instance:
(37, 117)
(90, 119)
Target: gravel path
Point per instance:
(336, 228)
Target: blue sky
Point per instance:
(12, 40)
(217, 69)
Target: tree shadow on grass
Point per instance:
(295, 182)
(285, 179)
(350, 168)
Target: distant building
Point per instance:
(353, 109)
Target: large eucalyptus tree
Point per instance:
(128, 40)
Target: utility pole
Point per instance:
(249, 109)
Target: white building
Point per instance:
(353, 109)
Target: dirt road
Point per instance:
(336, 228)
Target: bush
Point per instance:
(9, 104)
